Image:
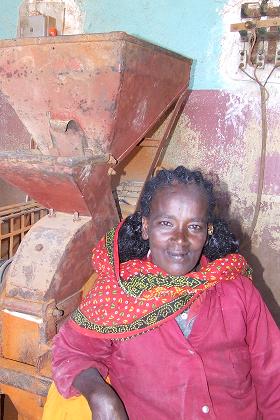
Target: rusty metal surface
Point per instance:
(46, 276)
(43, 284)
(57, 182)
(54, 260)
(113, 85)
(94, 97)
(13, 134)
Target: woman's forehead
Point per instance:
(192, 193)
(192, 190)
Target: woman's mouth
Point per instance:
(177, 256)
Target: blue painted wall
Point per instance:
(8, 18)
(193, 29)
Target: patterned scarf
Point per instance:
(137, 296)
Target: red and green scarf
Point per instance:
(137, 296)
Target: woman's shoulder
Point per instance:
(241, 282)
(241, 288)
(238, 297)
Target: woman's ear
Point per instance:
(145, 225)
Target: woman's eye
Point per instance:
(195, 227)
(165, 223)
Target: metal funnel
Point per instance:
(83, 97)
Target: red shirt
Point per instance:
(228, 368)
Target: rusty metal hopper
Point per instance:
(86, 100)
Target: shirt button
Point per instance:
(184, 315)
(205, 409)
(191, 351)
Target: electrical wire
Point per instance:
(273, 68)
(252, 43)
(264, 95)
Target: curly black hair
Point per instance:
(133, 246)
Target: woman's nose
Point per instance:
(180, 235)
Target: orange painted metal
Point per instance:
(16, 330)
(28, 404)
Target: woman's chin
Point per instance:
(179, 269)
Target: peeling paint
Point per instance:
(140, 114)
(219, 132)
(85, 173)
(74, 17)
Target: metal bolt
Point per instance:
(51, 213)
(111, 171)
(58, 312)
(112, 160)
(249, 24)
(76, 217)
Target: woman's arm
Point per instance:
(263, 339)
(104, 402)
(80, 366)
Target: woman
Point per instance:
(174, 319)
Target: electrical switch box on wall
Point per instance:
(41, 18)
(38, 25)
(259, 30)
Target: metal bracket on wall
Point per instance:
(259, 31)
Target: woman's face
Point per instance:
(177, 227)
